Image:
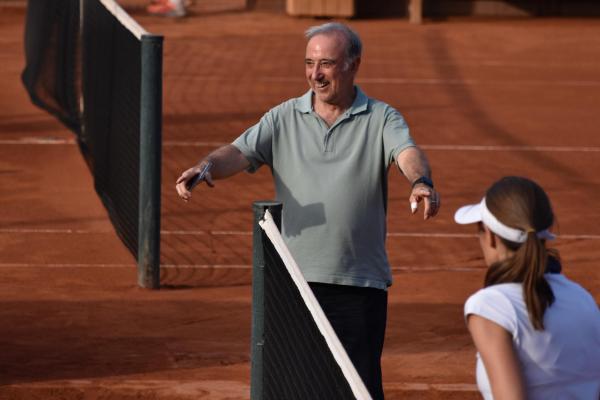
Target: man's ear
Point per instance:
(355, 64)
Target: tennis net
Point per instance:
(99, 72)
(296, 354)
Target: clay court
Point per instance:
(483, 97)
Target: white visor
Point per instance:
(480, 213)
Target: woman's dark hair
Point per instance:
(522, 204)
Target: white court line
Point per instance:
(192, 143)
(421, 387)
(445, 147)
(471, 82)
(206, 266)
(433, 235)
(415, 268)
(63, 265)
(39, 141)
(487, 63)
(101, 265)
(403, 268)
(511, 148)
(202, 233)
(63, 141)
(53, 231)
(406, 81)
(249, 233)
(91, 232)
(137, 384)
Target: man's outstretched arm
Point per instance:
(222, 163)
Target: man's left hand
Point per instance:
(427, 195)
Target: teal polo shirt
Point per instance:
(332, 182)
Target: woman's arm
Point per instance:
(495, 346)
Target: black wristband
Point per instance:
(424, 180)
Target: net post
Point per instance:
(150, 162)
(259, 239)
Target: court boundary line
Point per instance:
(410, 81)
(422, 387)
(68, 231)
(443, 147)
(208, 267)
(389, 386)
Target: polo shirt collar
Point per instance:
(360, 104)
(304, 103)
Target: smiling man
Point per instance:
(330, 151)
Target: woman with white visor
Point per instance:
(537, 333)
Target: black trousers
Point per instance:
(358, 315)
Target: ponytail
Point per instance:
(527, 266)
(536, 290)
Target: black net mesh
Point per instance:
(297, 361)
(95, 92)
(110, 136)
(51, 74)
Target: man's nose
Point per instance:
(316, 72)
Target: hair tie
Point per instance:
(480, 213)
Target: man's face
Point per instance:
(328, 71)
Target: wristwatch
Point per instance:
(424, 180)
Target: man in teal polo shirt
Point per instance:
(330, 151)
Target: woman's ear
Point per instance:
(490, 238)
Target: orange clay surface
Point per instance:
(484, 98)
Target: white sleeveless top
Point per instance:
(561, 362)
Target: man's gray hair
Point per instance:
(353, 43)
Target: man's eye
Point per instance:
(326, 64)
